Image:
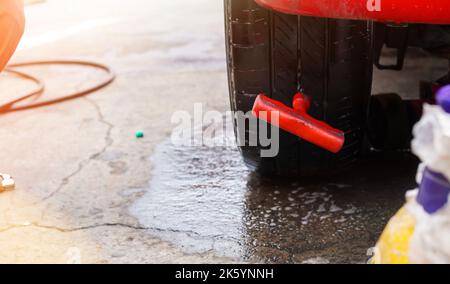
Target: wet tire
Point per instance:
(279, 54)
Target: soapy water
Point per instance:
(204, 199)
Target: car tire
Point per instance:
(278, 54)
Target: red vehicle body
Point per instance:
(397, 11)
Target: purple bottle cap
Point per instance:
(443, 98)
(434, 191)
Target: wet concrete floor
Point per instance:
(205, 200)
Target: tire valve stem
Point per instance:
(298, 122)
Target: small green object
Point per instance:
(140, 134)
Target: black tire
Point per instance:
(279, 54)
(389, 126)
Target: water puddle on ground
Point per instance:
(204, 199)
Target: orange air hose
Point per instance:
(39, 91)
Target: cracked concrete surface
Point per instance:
(82, 164)
(79, 168)
(77, 165)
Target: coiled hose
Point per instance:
(39, 91)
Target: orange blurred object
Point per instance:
(12, 24)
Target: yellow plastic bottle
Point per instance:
(393, 246)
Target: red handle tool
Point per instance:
(298, 122)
